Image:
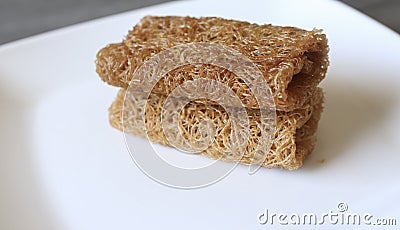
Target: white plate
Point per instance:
(63, 167)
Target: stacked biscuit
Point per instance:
(292, 61)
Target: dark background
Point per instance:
(22, 18)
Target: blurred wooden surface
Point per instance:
(385, 11)
(23, 18)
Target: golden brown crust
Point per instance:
(293, 140)
(293, 61)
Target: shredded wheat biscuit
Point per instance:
(293, 140)
(293, 61)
